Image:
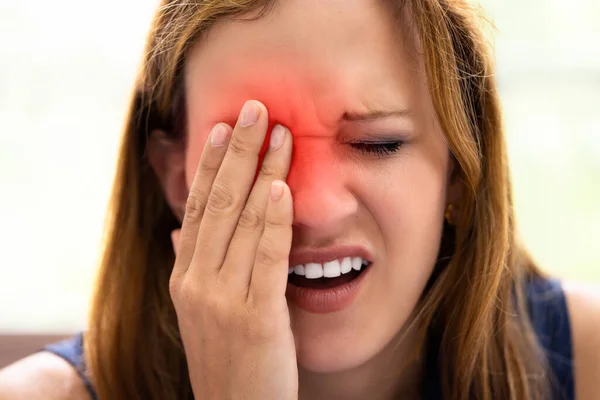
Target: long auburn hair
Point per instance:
(133, 347)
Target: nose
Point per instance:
(319, 187)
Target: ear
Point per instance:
(167, 158)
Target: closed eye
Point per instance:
(379, 149)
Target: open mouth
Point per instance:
(327, 275)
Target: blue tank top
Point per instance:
(550, 320)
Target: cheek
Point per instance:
(411, 214)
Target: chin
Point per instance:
(327, 358)
(337, 342)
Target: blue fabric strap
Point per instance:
(71, 350)
(550, 319)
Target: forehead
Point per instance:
(308, 61)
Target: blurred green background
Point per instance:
(66, 70)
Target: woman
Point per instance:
(349, 235)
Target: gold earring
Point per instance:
(449, 217)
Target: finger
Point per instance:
(237, 268)
(271, 265)
(210, 161)
(231, 187)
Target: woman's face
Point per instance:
(338, 75)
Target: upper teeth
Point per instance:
(330, 269)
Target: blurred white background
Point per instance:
(66, 73)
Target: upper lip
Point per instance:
(323, 255)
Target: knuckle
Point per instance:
(207, 168)
(195, 205)
(269, 172)
(267, 254)
(276, 222)
(192, 298)
(222, 313)
(251, 218)
(239, 146)
(221, 200)
(182, 295)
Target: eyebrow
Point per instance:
(374, 115)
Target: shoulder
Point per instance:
(583, 302)
(54, 379)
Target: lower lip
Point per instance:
(321, 301)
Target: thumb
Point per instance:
(175, 239)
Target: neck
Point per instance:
(394, 373)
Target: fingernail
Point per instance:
(276, 190)
(219, 135)
(249, 114)
(277, 137)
